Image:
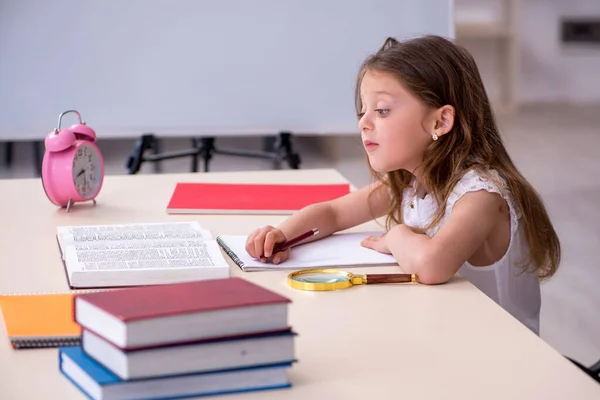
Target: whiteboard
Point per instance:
(194, 67)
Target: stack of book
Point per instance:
(180, 340)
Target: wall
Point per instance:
(549, 70)
(191, 67)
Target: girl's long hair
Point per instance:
(439, 72)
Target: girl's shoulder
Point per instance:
(476, 179)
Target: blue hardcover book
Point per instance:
(97, 382)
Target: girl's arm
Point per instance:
(435, 260)
(329, 217)
(342, 213)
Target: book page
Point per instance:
(106, 233)
(138, 246)
(342, 249)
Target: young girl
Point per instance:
(454, 200)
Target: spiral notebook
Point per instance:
(39, 320)
(339, 250)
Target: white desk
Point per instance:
(383, 342)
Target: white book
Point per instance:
(139, 254)
(192, 357)
(338, 250)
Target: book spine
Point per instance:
(230, 253)
(45, 343)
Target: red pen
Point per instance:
(285, 245)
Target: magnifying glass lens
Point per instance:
(321, 277)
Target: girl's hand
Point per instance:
(376, 243)
(261, 242)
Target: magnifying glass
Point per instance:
(333, 279)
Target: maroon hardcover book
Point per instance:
(144, 302)
(157, 315)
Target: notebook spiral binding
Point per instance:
(45, 343)
(230, 253)
(74, 292)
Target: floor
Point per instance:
(555, 147)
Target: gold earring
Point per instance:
(434, 137)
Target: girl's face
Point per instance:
(391, 124)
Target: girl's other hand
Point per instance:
(376, 243)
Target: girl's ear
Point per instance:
(444, 120)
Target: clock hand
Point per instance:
(82, 172)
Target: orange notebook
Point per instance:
(39, 320)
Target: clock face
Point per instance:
(87, 171)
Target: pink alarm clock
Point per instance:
(73, 167)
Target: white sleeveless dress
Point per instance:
(516, 291)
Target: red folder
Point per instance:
(228, 198)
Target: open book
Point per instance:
(339, 250)
(139, 254)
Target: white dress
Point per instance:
(516, 291)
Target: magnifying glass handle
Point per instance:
(390, 278)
